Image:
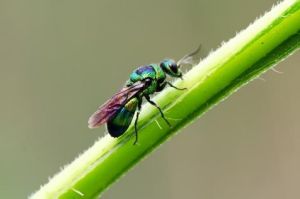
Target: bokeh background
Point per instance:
(60, 59)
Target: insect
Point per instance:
(118, 112)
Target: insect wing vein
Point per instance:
(110, 107)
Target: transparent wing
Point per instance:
(190, 59)
(110, 107)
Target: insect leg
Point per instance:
(136, 120)
(181, 89)
(160, 87)
(154, 104)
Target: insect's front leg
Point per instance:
(160, 87)
(154, 104)
(171, 85)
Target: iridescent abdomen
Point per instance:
(120, 122)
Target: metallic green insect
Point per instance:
(119, 111)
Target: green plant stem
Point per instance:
(263, 44)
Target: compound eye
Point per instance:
(174, 68)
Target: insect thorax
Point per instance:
(152, 71)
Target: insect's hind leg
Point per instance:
(154, 104)
(171, 85)
(136, 120)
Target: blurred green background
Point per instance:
(60, 59)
